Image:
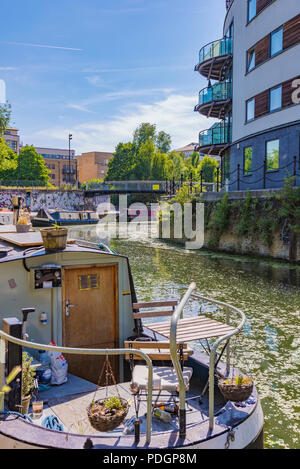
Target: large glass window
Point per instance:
(276, 41)
(272, 155)
(251, 9)
(250, 109)
(276, 98)
(250, 60)
(248, 152)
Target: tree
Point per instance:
(159, 170)
(209, 167)
(143, 159)
(143, 133)
(120, 167)
(163, 142)
(5, 112)
(31, 166)
(8, 162)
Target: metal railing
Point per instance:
(217, 92)
(173, 352)
(212, 359)
(217, 135)
(81, 351)
(215, 49)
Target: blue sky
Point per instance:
(99, 68)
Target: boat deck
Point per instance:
(68, 402)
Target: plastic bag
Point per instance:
(59, 367)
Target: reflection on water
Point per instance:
(267, 291)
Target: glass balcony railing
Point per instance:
(218, 134)
(216, 92)
(216, 49)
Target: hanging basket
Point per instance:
(102, 417)
(104, 421)
(234, 392)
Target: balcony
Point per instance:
(215, 59)
(215, 140)
(215, 100)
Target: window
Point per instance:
(88, 282)
(277, 41)
(250, 60)
(250, 110)
(276, 98)
(248, 152)
(251, 9)
(272, 155)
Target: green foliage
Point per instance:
(5, 113)
(113, 403)
(6, 388)
(290, 204)
(8, 162)
(246, 219)
(219, 221)
(209, 167)
(163, 142)
(143, 133)
(121, 166)
(31, 166)
(28, 375)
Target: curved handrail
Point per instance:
(78, 351)
(217, 92)
(219, 134)
(173, 352)
(224, 45)
(215, 346)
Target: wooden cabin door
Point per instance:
(90, 316)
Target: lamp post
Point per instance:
(70, 138)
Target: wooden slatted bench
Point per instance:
(156, 350)
(137, 314)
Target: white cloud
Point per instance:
(173, 114)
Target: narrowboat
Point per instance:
(46, 217)
(80, 301)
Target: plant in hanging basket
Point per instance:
(237, 389)
(107, 414)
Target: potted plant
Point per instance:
(236, 389)
(28, 376)
(106, 414)
(23, 225)
(54, 238)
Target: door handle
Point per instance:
(68, 306)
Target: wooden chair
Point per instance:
(138, 315)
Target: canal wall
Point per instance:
(53, 199)
(266, 226)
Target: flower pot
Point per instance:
(25, 404)
(54, 239)
(236, 393)
(23, 228)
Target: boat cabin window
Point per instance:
(88, 282)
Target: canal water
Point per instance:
(267, 291)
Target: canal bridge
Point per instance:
(168, 187)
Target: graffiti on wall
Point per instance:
(56, 200)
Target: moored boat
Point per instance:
(83, 299)
(46, 217)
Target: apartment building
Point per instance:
(57, 160)
(93, 165)
(254, 91)
(12, 138)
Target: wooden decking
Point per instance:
(190, 329)
(69, 402)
